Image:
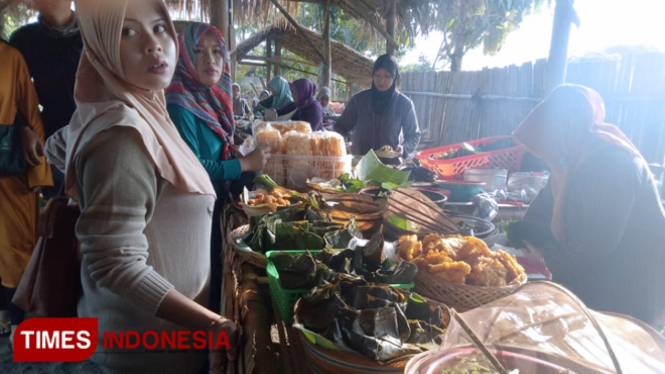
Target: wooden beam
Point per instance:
(564, 14)
(327, 66)
(268, 55)
(390, 27)
(219, 16)
(248, 63)
(372, 21)
(274, 60)
(290, 68)
(278, 56)
(299, 28)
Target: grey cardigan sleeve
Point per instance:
(347, 121)
(410, 129)
(118, 189)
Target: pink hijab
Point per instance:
(564, 131)
(105, 99)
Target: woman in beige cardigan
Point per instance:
(146, 201)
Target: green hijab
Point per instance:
(283, 92)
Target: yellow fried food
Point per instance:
(473, 247)
(437, 258)
(511, 264)
(274, 198)
(450, 266)
(487, 272)
(430, 238)
(421, 263)
(409, 247)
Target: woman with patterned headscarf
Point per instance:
(600, 219)
(200, 105)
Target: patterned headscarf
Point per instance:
(282, 92)
(214, 105)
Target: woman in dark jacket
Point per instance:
(600, 211)
(381, 115)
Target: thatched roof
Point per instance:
(346, 61)
(412, 16)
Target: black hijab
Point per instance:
(381, 100)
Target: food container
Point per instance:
(494, 179)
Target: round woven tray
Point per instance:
(328, 361)
(460, 296)
(253, 258)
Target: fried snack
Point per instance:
(269, 137)
(487, 272)
(409, 247)
(461, 259)
(272, 198)
(511, 264)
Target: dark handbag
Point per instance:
(11, 155)
(51, 284)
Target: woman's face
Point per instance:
(383, 80)
(272, 91)
(209, 59)
(294, 95)
(147, 49)
(324, 100)
(51, 8)
(263, 96)
(236, 92)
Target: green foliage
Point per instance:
(423, 65)
(470, 23)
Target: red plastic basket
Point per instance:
(506, 158)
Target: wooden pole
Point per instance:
(558, 57)
(232, 42)
(390, 28)
(219, 16)
(299, 28)
(327, 59)
(268, 56)
(278, 55)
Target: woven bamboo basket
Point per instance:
(460, 296)
(253, 258)
(329, 361)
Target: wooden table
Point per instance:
(269, 346)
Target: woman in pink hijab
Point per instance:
(146, 201)
(601, 209)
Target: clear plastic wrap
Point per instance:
(542, 324)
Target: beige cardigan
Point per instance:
(140, 237)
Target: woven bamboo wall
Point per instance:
(494, 101)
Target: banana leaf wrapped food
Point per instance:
(378, 321)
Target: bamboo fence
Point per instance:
(455, 107)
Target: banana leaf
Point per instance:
(344, 238)
(402, 273)
(301, 273)
(424, 335)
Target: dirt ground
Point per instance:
(8, 366)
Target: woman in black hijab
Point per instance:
(381, 115)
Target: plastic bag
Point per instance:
(541, 325)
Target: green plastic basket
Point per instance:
(285, 299)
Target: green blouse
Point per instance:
(205, 144)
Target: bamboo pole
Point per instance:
(278, 55)
(299, 28)
(268, 55)
(327, 67)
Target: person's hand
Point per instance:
(533, 253)
(400, 149)
(218, 358)
(32, 146)
(256, 160)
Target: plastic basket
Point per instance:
(506, 158)
(279, 167)
(285, 299)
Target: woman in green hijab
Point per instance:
(280, 95)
